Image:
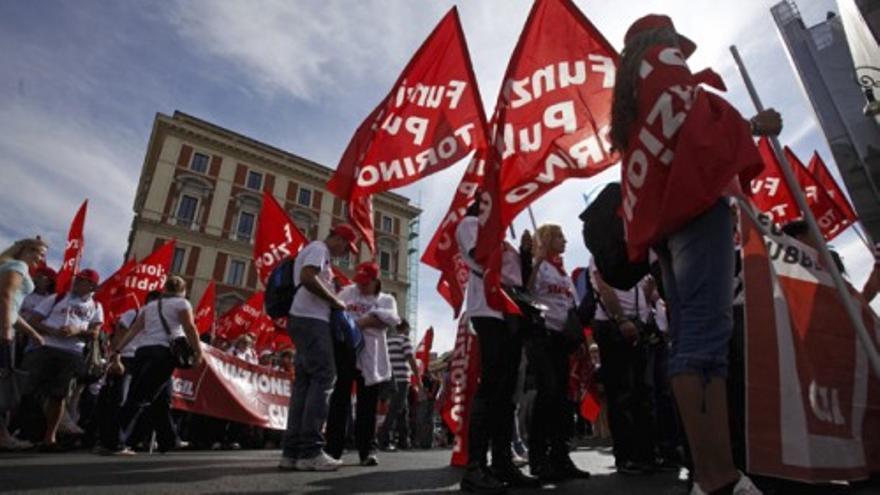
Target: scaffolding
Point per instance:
(412, 257)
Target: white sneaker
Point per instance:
(288, 464)
(745, 486)
(11, 443)
(321, 462)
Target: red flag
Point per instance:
(442, 252)
(149, 275)
(552, 121)
(769, 191)
(423, 355)
(112, 294)
(277, 237)
(340, 277)
(464, 374)
(247, 317)
(830, 218)
(818, 170)
(431, 118)
(73, 251)
(205, 311)
(590, 408)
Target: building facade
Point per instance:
(824, 65)
(202, 185)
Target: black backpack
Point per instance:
(603, 236)
(280, 289)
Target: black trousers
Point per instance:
(736, 389)
(149, 398)
(397, 420)
(110, 401)
(552, 416)
(629, 401)
(492, 412)
(340, 407)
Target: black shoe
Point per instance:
(481, 480)
(370, 460)
(547, 473)
(570, 470)
(664, 464)
(510, 474)
(630, 468)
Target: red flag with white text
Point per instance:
(464, 375)
(442, 252)
(277, 237)
(73, 251)
(247, 317)
(769, 191)
(552, 121)
(832, 221)
(818, 170)
(432, 118)
(423, 355)
(113, 295)
(204, 316)
(148, 275)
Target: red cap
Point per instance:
(90, 275)
(46, 272)
(347, 232)
(657, 21)
(366, 272)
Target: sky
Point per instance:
(81, 83)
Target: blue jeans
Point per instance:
(698, 266)
(315, 376)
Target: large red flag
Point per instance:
(205, 311)
(423, 355)
(113, 295)
(149, 275)
(818, 170)
(247, 317)
(832, 221)
(442, 252)
(432, 118)
(277, 237)
(769, 191)
(552, 121)
(73, 251)
(464, 375)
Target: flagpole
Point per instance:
(797, 192)
(532, 217)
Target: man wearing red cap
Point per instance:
(309, 328)
(66, 322)
(683, 151)
(374, 311)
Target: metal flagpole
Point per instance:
(845, 297)
(532, 217)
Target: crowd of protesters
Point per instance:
(663, 359)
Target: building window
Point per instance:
(186, 210)
(305, 197)
(387, 224)
(199, 163)
(254, 180)
(245, 226)
(305, 223)
(235, 275)
(385, 262)
(178, 259)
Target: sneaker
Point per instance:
(11, 443)
(745, 486)
(288, 464)
(320, 462)
(571, 471)
(548, 473)
(631, 468)
(518, 460)
(510, 474)
(370, 460)
(481, 480)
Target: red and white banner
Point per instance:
(229, 388)
(769, 191)
(247, 317)
(813, 403)
(820, 172)
(464, 375)
(442, 252)
(277, 237)
(423, 355)
(205, 311)
(432, 118)
(552, 121)
(832, 221)
(73, 251)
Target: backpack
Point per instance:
(604, 237)
(586, 308)
(280, 289)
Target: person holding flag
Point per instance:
(683, 150)
(66, 322)
(370, 367)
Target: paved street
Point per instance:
(255, 472)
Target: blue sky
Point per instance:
(81, 82)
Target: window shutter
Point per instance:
(291, 191)
(185, 154)
(220, 267)
(214, 171)
(240, 174)
(317, 197)
(396, 226)
(269, 183)
(193, 260)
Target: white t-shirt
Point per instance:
(127, 320)
(31, 302)
(475, 300)
(154, 332)
(81, 312)
(627, 298)
(305, 303)
(555, 290)
(373, 359)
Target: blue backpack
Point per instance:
(280, 289)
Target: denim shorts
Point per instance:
(698, 269)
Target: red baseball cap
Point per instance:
(366, 272)
(90, 275)
(657, 21)
(46, 272)
(347, 232)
